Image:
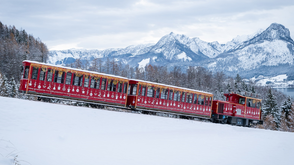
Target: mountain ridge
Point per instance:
(245, 55)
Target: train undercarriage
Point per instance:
(215, 118)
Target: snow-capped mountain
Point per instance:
(269, 52)
(266, 52)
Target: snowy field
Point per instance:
(51, 134)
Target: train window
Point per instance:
(253, 103)
(35, 73)
(249, 103)
(183, 97)
(125, 87)
(77, 80)
(111, 85)
(26, 73)
(134, 89)
(114, 85)
(103, 84)
(176, 95)
(201, 100)
(49, 75)
(162, 93)
(171, 95)
(206, 101)
(150, 92)
(143, 91)
(95, 82)
(68, 78)
(241, 100)
(157, 92)
(86, 81)
(59, 76)
(258, 104)
(139, 93)
(189, 98)
(166, 94)
(129, 89)
(42, 74)
(119, 87)
(195, 99)
(179, 96)
(210, 99)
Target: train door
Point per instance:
(95, 93)
(220, 108)
(161, 100)
(58, 83)
(141, 95)
(48, 80)
(150, 97)
(195, 97)
(182, 102)
(201, 104)
(125, 92)
(68, 82)
(187, 105)
(119, 93)
(111, 90)
(169, 105)
(41, 87)
(85, 87)
(177, 99)
(132, 92)
(77, 85)
(157, 99)
(34, 78)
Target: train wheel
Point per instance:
(224, 121)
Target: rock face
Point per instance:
(268, 52)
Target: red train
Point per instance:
(45, 80)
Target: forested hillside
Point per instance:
(17, 45)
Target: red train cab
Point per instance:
(161, 97)
(57, 81)
(237, 109)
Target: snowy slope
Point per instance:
(47, 134)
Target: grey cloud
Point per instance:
(68, 20)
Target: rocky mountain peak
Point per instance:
(276, 31)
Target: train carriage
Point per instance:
(57, 81)
(237, 109)
(51, 81)
(161, 97)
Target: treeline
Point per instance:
(16, 46)
(278, 113)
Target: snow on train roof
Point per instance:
(171, 86)
(104, 74)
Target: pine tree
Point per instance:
(13, 88)
(238, 78)
(270, 107)
(229, 88)
(252, 89)
(4, 87)
(286, 107)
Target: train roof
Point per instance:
(104, 74)
(171, 86)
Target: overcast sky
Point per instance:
(101, 24)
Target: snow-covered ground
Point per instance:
(279, 81)
(53, 134)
